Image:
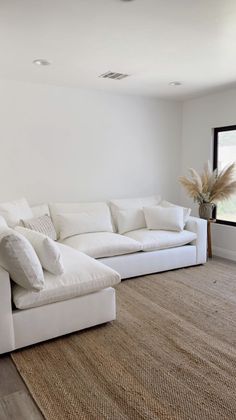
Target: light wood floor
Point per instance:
(15, 400)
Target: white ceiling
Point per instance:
(155, 41)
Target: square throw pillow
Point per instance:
(14, 211)
(42, 224)
(187, 211)
(18, 257)
(132, 203)
(130, 219)
(159, 218)
(46, 249)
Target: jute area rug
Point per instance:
(171, 354)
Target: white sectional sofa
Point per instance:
(95, 257)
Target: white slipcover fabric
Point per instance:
(18, 257)
(46, 249)
(153, 240)
(88, 221)
(130, 219)
(187, 211)
(42, 224)
(199, 227)
(159, 218)
(7, 333)
(3, 224)
(48, 321)
(40, 210)
(14, 211)
(142, 263)
(83, 275)
(99, 208)
(103, 244)
(132, 203)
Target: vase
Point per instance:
(206, 210)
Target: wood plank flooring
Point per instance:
(16, 402)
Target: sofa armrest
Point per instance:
(7, 338)
(199, 226)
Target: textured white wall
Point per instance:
(71, 144)
(200, 116)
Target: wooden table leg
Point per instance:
(209, 245)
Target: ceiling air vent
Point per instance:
(113, 75)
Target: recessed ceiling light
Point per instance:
(175, 83)
(41, 62)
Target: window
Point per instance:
(224, 154)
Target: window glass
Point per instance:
(226, 210)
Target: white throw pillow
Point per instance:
(132, 203)
(130, 219)
(46, 249)
(160, 218)
(101, 209)
(186, 210)
(19, 258)
(42, 224)
(14, 211)
(40, 210)
(71, 224)
(83, 275)
(3, 224)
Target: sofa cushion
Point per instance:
(135, 204)
(46, 249)
(103, 244)
(130, 219)
(3, 224)
(186, 210)
(160, 218)
(99, 209)
(83, 275)
(88, 221)
(18, 257)
(14, 211)
(42, 224)
(40, 210)
(153, 240)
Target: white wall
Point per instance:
(70, 144)
(200, 116)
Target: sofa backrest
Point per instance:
(40, 210)
(99, 208)
(15, 211)
(131, 203)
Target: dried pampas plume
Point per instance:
(210, 186)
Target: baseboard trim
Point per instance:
(224, 253)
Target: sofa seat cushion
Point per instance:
(103, 244)
(82, 275)
(153, 240)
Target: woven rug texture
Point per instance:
(171, 354)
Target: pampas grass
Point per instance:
(210, 186)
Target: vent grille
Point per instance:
(113, 75)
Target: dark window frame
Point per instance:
(218, 130)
